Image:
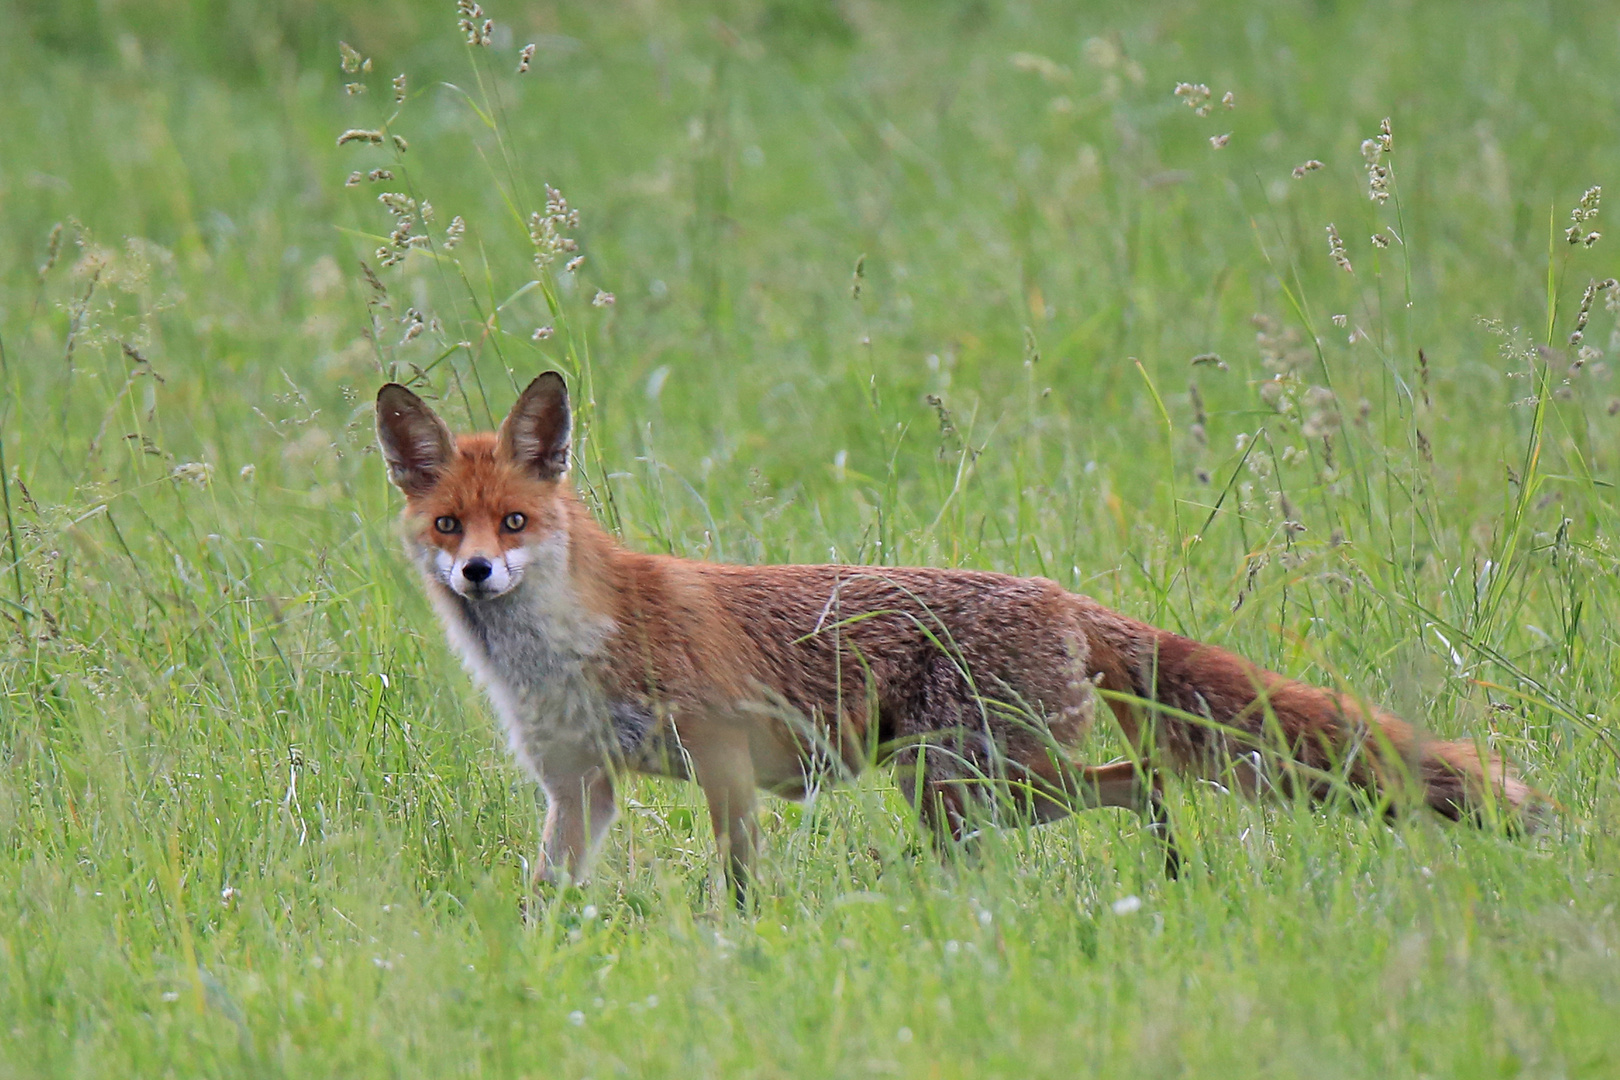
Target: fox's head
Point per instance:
(484, 509)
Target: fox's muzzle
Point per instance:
(479, 577)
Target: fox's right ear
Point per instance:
(414, 441)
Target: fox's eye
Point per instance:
(514, 522)
(447, 524)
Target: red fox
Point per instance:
(974, 685)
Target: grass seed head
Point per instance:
(1307, 167)
(365, 135)
(404, 237)
(547, 230)
(525, 58)
(1584, 211)
(1195, 96)
(398, 204)
(557, 207)
(1322, 413)
(1593, 287)
(379, 291)
(472, 23)
(1336, 249)
(454, 232)
(399, 88)
(349, 57)
(53, 249)
(414, 324)
(1372, 152)
(192, 472)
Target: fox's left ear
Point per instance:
(535, 433)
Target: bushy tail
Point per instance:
(1221, 717)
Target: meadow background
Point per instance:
(895, 282)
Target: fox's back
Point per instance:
(831, 638)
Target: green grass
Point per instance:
(255, 821)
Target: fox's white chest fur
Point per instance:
(533, 650)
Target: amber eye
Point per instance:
(447, 524)
(514, 522)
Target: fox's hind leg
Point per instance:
(1124, 784)
(1046, 787)
(942, 795)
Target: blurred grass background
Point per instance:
(255, 819)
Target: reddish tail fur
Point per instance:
(1223, 718)
(976, 686)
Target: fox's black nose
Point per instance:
(477, 570)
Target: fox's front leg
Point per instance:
(579, 809)
(725, 771)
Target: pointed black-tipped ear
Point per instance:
(535, 433)
(414, 441)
